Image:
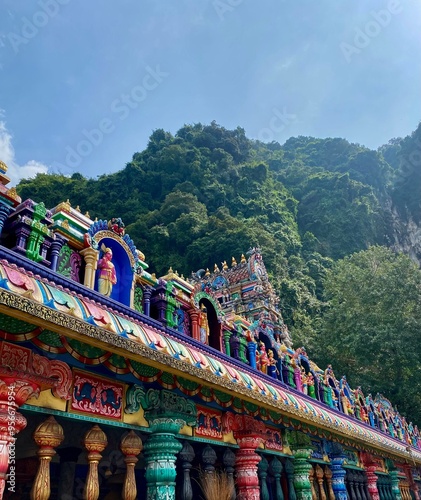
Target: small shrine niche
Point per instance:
(116, 281)
(112, 261)
(209, 326)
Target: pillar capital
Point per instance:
(167, 412)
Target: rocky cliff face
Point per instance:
(405, 234)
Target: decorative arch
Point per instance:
(123, 262)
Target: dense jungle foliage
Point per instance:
(206, 194)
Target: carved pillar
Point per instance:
(95, 442)
(252, 347)
(246, 467)
(147, 292)
(372, 481)
(166, 414)
(229, 461)
(91, 260)
(328, 476)
(320, 476)
(242, 350)
(412, 485)
(262, 471)
(396, 492)
(68, 460)
(380, 488)
(361, 485)
(226, 336)
(289, 471)
(131, 446)
(301, 446)
(249, 433)
(186, 456)
(275, 469)
(350, 481)
(5, 210)
(209, 459)
(311, 476)
(194, 316)
(159, 300)
(22, 234)
(56, 246)
(338, 472)
(47, 436)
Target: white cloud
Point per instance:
(7, 154)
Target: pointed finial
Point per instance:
(78, 208)
(243, 259)
(87, 215)
(233, 262)
(176, 272)
(170, 271)
(216, 269)
(224, 265)
(207, 272)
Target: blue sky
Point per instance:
(83, 84)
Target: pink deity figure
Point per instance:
(107, 277)
(297, 375)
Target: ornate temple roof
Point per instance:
(30, 296)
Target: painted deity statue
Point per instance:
(264, 360)
(297, 374)
(107, 276)
(272, 369)
(203, 325)
(310, 385)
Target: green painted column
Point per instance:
(301, 446)
(166, 414)
(396, 492)
(227, 335)
(262, 471)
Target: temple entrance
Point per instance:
(214, 328)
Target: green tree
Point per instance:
(371, 328)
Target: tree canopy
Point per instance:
(206, 194)
(372, 324)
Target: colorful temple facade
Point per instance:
(118, 384)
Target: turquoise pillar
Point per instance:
(166, 414)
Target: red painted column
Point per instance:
(370, 466)
(194, 315)
(372, 481)
(246, 467)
